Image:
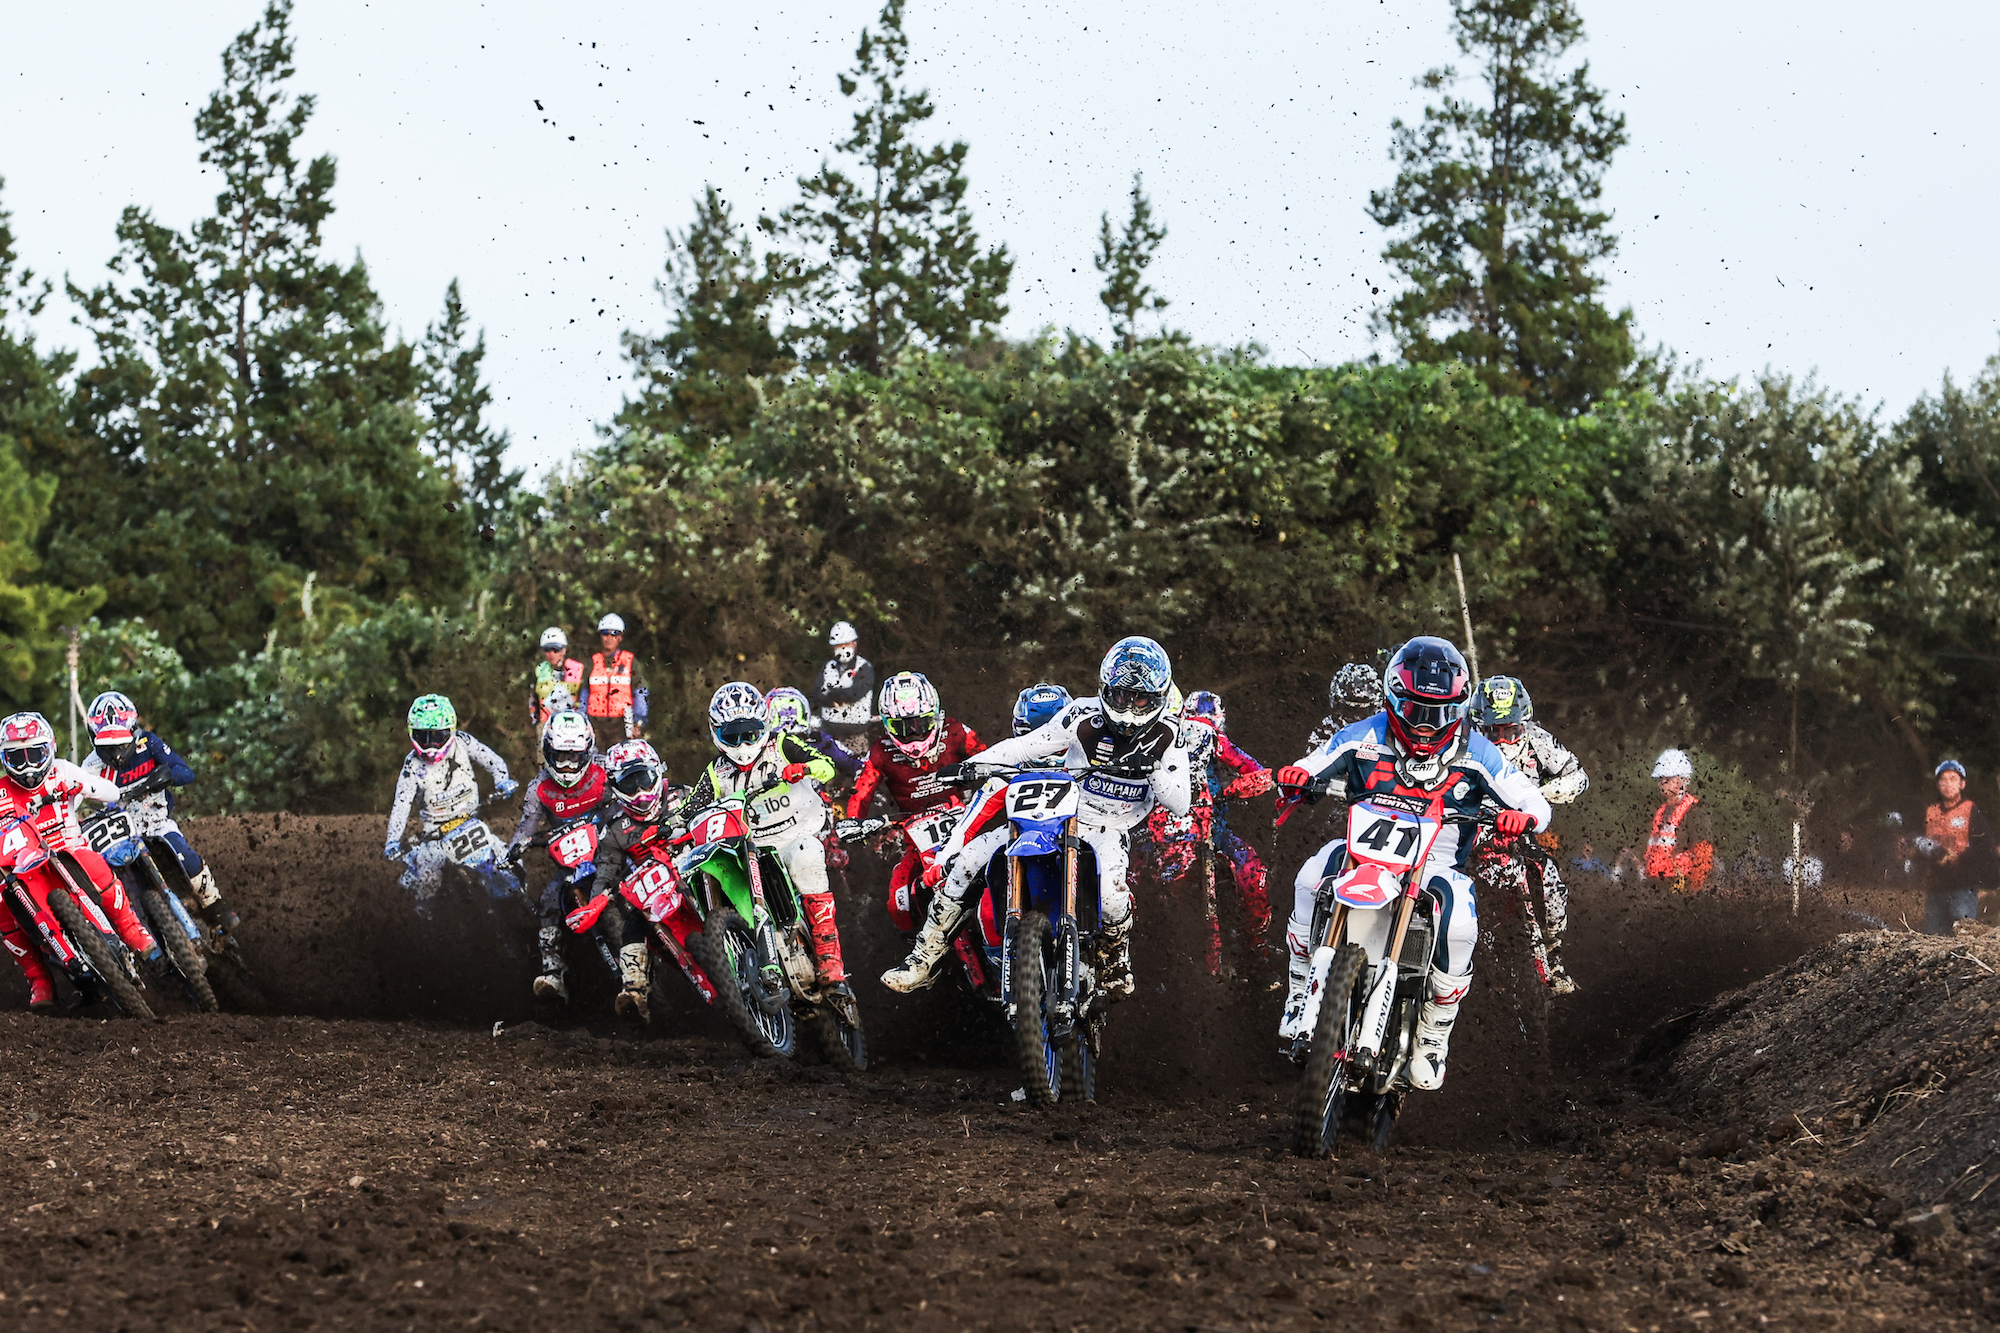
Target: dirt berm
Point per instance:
(1877, 1056)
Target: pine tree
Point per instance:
(1123, 258)
(1499, 233)
(888, 256)
(703, 378)
(258, 425)
(32, 420)
(455, 400)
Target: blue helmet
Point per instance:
(1133, 684)
(1206, 704)
(1038, 706)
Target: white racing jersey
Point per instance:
(1080, 735)
(785, 812)
(445, 791)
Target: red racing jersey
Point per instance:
(913, 787)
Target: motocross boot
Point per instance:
(209, 899)
(41, 986)
(553, 983)
(1560, 981)
(1292, 1027)
(42, 995)
(918, 970)
(1114, 959)
(1433, 1043)
(634, 1002)
(825, 939)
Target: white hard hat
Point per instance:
(553, 637)
(842, 632)
(1673, 764)
(613, 623)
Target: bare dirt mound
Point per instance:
(1877, 1055)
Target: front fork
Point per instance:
(1068, 980)
(768, 959)
(1371, 1032)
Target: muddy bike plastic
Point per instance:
(653, 888)
(76, 937)
(113, 834)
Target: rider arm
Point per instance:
(406, 797)
(1052, 737)
(1173, 785)
(611, 862)
(865, 785)
(483, 756)
(973, 745)
(531, 818)
(795, 751)
(988, 801)
(88, 785)
(1566, 779)
(1510, 786)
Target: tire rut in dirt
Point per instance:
(234, 986)
(727, 952)
(1321, 1099)
(1041, 1067)
(180, 950)
(103, 960)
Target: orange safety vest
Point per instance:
(610, 687)
(1952, 828)
(1664, 859)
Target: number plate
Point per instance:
(575, 847)
(1041, 799)
(658, 890)
(720, 823)
(1388, 835)
(108, 830)
(466, 841)
(929, 833)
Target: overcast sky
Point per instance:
(1808, 187)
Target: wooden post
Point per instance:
(1465, 613)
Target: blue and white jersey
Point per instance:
(1079, 737)
(1362, 759)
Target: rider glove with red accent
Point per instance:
(1512, 823)
(933, 875)
(1291, 775)
(1254, 783)
(793, 772)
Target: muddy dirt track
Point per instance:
(372, 1154)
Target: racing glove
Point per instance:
(392, 851)
(1254, 783)
(1291, 775)
(504, 788)
(1511, 823)
(933, 874)
(793, 772)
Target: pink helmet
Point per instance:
(638, 778)
(911, 717)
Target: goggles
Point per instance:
(430, 738)
(1123, 699)
(636, 779)
(910, 728)
(1427, 718)
(1507, 733)
(739, 731)
(27, 757)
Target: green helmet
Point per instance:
(433, 725)
(1502, 709)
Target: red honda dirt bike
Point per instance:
(573, 847)
(50, 893)
(926, 833)
(653, 888)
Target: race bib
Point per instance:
(1041, 799)
(1387, 834)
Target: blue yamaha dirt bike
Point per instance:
(1047, 984)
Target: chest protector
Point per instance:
(783, 812)
(566, 803)
(916, 787)
(448, 789)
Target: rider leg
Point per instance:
(805, 862)
(1299, 944)
(946, 910)
(904, 883)
(201, 879)
(553, 983)
(1114, 908)
(424, 873)
(21, 947)
(1252, 884)
(97, 873)
(1555, 907)
(1451, 972)
(635, 966)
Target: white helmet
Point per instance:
(553, 637)
(842, 632)
(1673, 764)
(738, 720)
(912, 717)
(613, 623)
(567, 746)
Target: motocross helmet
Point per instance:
(1134, 684)
(566, 746)
(1426, 687)
(433, 726)
(1038, 706)
(27, 749)
(790, 711)
(114, 726)
(1207, 705)
(738, 721)
(1355, 689)
(912, 721)
(637, 778)
(1501, 710)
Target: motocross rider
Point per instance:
(964, 856)
(919, 751)
(146, 770)
(1354, 693)
(43, 790)
(1418, 745)
(638, 784)
(845, 694)
(1204, 732)
(439, 780)
(572, 785)
(792, 712)
(1127, 730)
(789, 816)
(1503, 713)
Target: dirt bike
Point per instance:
(653, 888)
(1048, 987)
(573, 847)
(1503, 865)
(925, 833)
(48, 893)
(473, 846)
(114, 835)
(1370, 973)
(756, 944)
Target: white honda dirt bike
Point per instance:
(1375, 930)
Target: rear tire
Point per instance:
(1079, 1068)
(180, 950)
(845, 1048)
(1323, 1093)
(103, 959)
(727, 951)
(1041, 1063)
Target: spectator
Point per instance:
(1680, 848)
(845, 694)
(1962, 861)
(556, 674)
(616, 701)
(1588, 862)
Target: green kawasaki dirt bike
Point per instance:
(756, 945)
